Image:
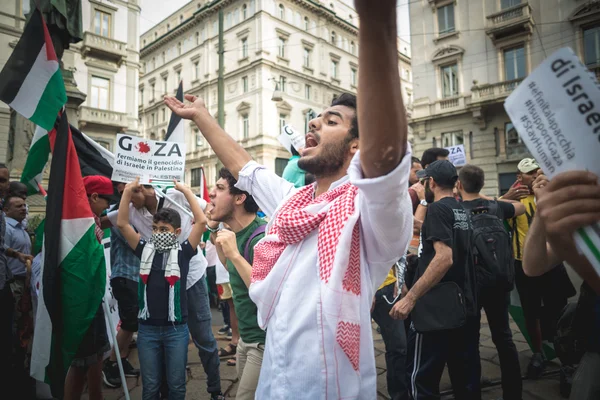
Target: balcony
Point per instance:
(422, 108)
(493, 92)
(95, 116)
(103, 47)
(510, 21)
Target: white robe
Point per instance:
(293, 364)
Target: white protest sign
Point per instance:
(556, 111)
(291, 137)
(457, 155)
(155, 162)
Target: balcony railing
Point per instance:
(96, 116)
(509, 21)
(104, 47)
(493, 91)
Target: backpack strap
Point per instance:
(258, 231)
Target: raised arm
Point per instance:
(232, 155)
(200, 219)
(130, 235)
(381, 117)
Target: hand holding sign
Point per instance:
(132, 186)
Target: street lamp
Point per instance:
(277, 94)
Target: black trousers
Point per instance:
(495, 303)
(428, 354)
(6, 339)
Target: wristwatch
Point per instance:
(424, 203)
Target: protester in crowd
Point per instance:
(366, 212)
(493, 286)
(444, 292)
(17, 189)
(164, 266)
(415, 198)
(432, 154)
(393, 334)
(141, 212)
(235, 246)
(88, 359)
(567, 203)
(551, 289)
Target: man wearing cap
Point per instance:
(88, 359)
(551, 289)
(444, 279)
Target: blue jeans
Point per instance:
(199, 322)
(158, 346)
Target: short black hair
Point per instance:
(249, 204)
(432, 154)
(415, 160)
(472, 178)
(8, 199)
(169, 216)
(17, 188)
(348, 100)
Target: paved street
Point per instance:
(543, 389)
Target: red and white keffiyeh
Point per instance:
(335, 215)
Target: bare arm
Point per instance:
(419, 218)
(232, 155)
(441, 263)
(381, 115)
(538, 257)
(199, 218)
(243, 268)
(130, 235)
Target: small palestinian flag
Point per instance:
(31, 82)
(175, 132)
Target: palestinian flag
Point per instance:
(93, 158)
(73, 274)
(31, 82)
(203, 186)
(175, 132)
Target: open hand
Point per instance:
(227, 243)
(189, 110)
(516, 193)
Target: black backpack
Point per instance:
(492, 249)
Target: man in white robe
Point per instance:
(329, 245)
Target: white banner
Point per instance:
(556, 111)
(457, 155)
(291, 137)
(154, 162)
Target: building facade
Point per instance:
(468, 56)
(306, 49)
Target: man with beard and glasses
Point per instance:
(443, 293)
(331, 244)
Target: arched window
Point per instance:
(352, 48)
(244, 12)
(180, 18)
(168, 27)
(306, 23)
(281, 12)
(333, 38)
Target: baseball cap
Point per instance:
(527, 165)
(98, 184)
(443, 172)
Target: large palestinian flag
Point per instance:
(175, 132)
(73, 273)
(31, 82)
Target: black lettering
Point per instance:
(174, 150)
(558, 64)
(125, 146)
(585, 107)
(584, 95)
(160, 147)
(574, 89)
(592, 118)
(570, 81)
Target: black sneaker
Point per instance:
(128, 369)
(536, 366)
(217, 396)
(110, 374)
(223, 330)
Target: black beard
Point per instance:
(328, 163)
(429, 195)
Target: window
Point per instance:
(450, 80)
(245, 84)
(511, 135)
(196, 177)
(102, 23)
(280, 164)
(353, 76)
(228, 20)
(352, 48)
(333, 38)
(281, 12)
(199, 138)
(452, 139)
(180, 19)
(282, 121)
(446, 19)
(306, 23)
(334, 69)
(197, 70)
(307, 90)
(307, 58)
(100, 92)
(508, 3)
(281, 48)
(514, 63)
(165, 87)
(244, 47)
(591, 46)
(245, 126)
(163, 113)
(142, 96)
(282, 82)
(244, 12)
(179, 48)
(153, 91)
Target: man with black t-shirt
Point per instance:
(494, 300)
(444, 279)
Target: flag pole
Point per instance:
(117, 351)
(177, 205)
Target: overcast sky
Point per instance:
(154, 11)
